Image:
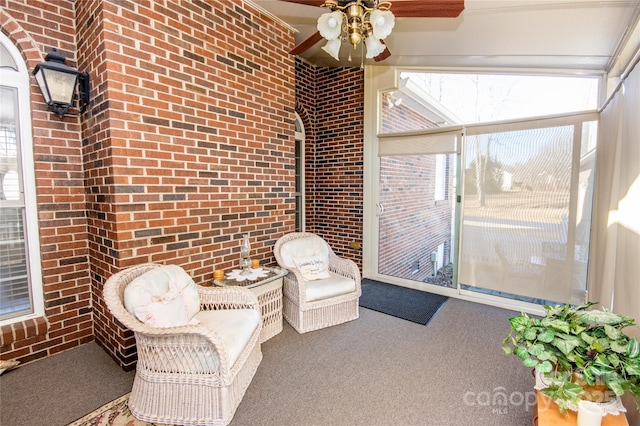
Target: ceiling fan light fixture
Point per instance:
(333, 48)
(374, 47)
(330, 25)
(356, 21)
(382, 22)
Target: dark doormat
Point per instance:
(406, 303)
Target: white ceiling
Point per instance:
(557, 34)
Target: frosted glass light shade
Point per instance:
(330, 25)
(382, 22)
(333, 48)
(374, 47)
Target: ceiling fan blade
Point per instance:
(411, 8)
(384, 55)
(306, 44)
(307, 2)
(427, 8)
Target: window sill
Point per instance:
(23, 330)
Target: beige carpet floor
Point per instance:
(377, 370)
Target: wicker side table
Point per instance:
(269, 292)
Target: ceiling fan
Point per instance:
(369, 21)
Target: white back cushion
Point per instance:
(310, 255)
(163, 297)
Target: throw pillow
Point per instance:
(312, 267)
(163, 297)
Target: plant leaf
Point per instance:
(632, 370)
(634, 348)
(522, 352)
(557, 324)
(519, 323)
(616, 386)
(544, 367)
(614, 360)
(577, 328)
(546, 336)
(530, 362)
(597, 345)
(601, 317)
(619, 348)
(572, 390)
(612, 332)
(604, 344)
(587, 338)
(536, 349)
(530, 334)
(566, 343)
(588, 375)
(544, 355)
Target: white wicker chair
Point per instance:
(305, 315)
(176, 381)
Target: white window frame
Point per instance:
(20, 80)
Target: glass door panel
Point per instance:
(416, 217)
(526, 208)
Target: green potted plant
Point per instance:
(575, 348)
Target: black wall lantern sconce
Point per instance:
(65, 89)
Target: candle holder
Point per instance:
(245, 260)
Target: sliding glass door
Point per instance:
(416, 217)
(522, 193)
(416, 208)
(526, 209)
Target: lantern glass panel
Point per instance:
(61, 85)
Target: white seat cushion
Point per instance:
(234, 326)
(329, 287)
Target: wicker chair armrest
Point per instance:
(214, 298)
(345, 267)
(182, 348)
(293, 285)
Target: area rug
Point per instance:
(401, 302)
(114, 413)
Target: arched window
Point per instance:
(20, 275)
(299, 174)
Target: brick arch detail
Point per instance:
(28, 47)
(306, 121)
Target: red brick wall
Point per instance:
(402, 118)
(334, 153)
(187, 144)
